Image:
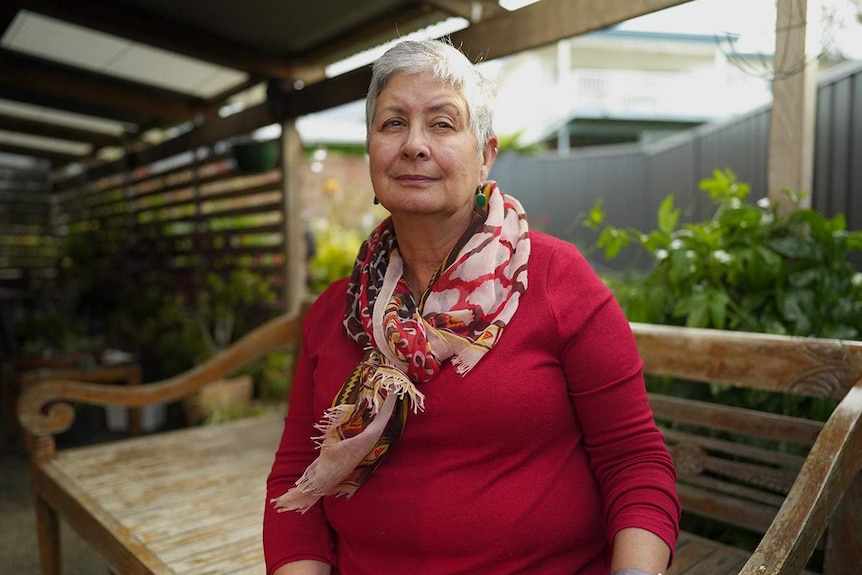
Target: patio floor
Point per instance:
(18, 549)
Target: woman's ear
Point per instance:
(489, 154)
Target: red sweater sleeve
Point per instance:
(627, 452)
(291, 536)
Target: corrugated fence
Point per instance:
(633, 179)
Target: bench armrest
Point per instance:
(44, 409)
(829, 470)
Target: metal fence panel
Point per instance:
(631, 180)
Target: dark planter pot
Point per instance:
(255, 157)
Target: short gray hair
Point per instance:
(447, 64)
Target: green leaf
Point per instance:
(709, 237)
(595, 217)
(723, 187)
(853, 240)
(718, 302)
(682, 268)
(762, 266)
(793, 307)
(667, 216)
(739, 218)
(795, 248)
(695, 309)
(613, 240)
(654, 241)
(811, 277)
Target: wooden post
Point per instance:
(295, 249)
(794, 99)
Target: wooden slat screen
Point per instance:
(27, 248)
(182, 217)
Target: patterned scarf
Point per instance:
(472, 297)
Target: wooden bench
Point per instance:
(190, 501)
(187, 501)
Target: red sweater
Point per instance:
(529, 464)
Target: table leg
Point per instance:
(48, 531)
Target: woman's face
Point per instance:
(422, 152)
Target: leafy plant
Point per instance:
(158, 327)
(41, 333)
(272, 375)
(172, 334)
(336, 249)
(749, 267)
(224, 302)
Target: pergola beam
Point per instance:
(475, 11)
(54, 157)
(52, 130)
(549, 21)
(32, 75)
(375, 32)
(125, 21)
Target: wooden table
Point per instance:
(182, 502)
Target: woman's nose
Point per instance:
(415, 146)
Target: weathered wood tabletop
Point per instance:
(182, 502)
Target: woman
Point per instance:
(477, 390)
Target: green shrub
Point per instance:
(748, 268)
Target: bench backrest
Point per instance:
(736, 464)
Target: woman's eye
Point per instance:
(393, 123)
(442, 124)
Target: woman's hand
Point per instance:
(305, 567)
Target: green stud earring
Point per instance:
(376, 201)
(481, 200)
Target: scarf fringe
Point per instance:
(333, 418)
(385, 377)
(390, 379)
(336, 461)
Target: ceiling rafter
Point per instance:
(159, 31)
(549, 21)
(63, 83)
(58, 158)
(30, 97)
(54, 130)
(475, 11)
(380, 29)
